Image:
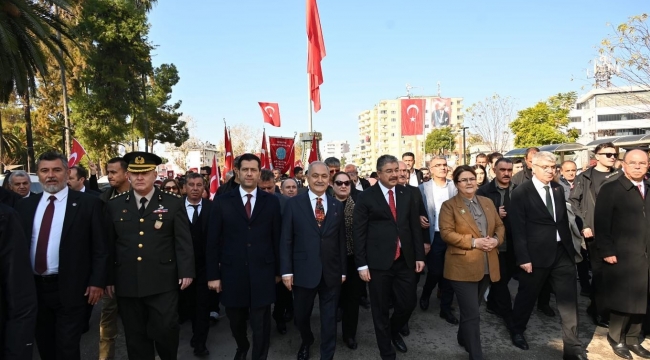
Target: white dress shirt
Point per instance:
(312, 200)
(641, 189)
(539, 186)
(244, 198)
(358, 185)
(189, 207)
(83, 189)
(413, 179)
(56, 230)
(440, 195)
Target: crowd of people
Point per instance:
(157, 253)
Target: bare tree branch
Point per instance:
(490, 118)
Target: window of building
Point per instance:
(621, 117)
(393, 119)
(392, 134)
(575, 119)
(382, 111)
(622, 132)
(393, 112)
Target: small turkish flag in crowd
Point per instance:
(271, 113)
(76, 153)
(264, 154)
(214, 178)
(313, 153)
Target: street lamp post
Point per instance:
(464, 146)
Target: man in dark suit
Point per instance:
(152, 257)
(233, 183)
(77, 179)
(544, 250)
(415, 175)
(358, 183)
(389, 251)
(69, 257)
(8, 198)
(20, 183)
(498, 190)
(18, 302)
(313, 258)
(623, 236)
(243, 238)
(194, 300)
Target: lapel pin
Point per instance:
(462, 211)
(74, 204)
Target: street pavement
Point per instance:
(431, 338)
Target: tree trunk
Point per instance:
(31, 165)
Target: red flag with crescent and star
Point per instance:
(271, 113)
(413, 116)
(313, 153)
(228, 150)
(214, 178)
(264, 158)
(315, 53)
(76, 153)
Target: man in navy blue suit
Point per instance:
(243, 238)
(313, 258)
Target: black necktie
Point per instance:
(143, 205)
(506, 199)
(549, 201)
(195, 216)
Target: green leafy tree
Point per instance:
(545, 123)
(439, 140)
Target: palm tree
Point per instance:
(28, 36)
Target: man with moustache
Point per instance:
(414, 175)
(313, 258)
(434, 193)
(243, 238)
(499, 190)
(194, 300)
(69, 257)
(389, 251)
(527, 172)
(481, 159)
(544, 249)
(152, 259)
(623, 236)
(426, 174)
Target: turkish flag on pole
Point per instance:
(214, 178)
(271, 113)
(76, 153)
(413, 116)
(313, 154)
(228, 158)
(265, 153)
(315, 53)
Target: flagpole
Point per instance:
(309, 106)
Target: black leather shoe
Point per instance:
(620, 349)
(303, 353)
(399, 344)
(599, 321)
(575, 357)
(364, 303)
(282, 328)
(491, 310)
(405, 331)
(241, 354)
(201, 350)
(449, 317)
(519, 341)
(351, 343)
(639, 351)
(424, 304)
(546, 310)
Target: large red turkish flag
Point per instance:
(413, 116)
(315, 52)
(271, 113)
(76, 153)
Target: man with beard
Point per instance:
(498, 190)
(69, 257)
(426, 174)
(152, 259)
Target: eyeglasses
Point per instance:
(341, 183)
(608, 155)
(439, 165)
(332, 171)
(467, 180)
(634, 164)
(546, 167)
(170, 188)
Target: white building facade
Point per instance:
(337, 149)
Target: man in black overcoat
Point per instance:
(623, 239)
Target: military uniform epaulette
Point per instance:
(172, 194)
(118, 195)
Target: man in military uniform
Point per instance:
(151, 247)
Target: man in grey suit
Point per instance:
(434, 193)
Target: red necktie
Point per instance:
(248, 205)
(640, 186)
(40, 261)
(391, 204)
(319, 212)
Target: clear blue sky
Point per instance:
(232, 54)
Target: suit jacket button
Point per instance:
(139, 258)
(141, 233)
(249, 244)
(140, 246)
(141, 220)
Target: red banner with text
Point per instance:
(281, 151)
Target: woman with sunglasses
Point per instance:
(171, 185)
(350, 290)
(472, 229)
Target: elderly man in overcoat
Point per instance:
(623, 239)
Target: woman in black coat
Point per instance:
(623, 238)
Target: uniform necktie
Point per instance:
(393, 210)
(319, 212)
(549, 201)
(248, 205)
(143, 205)
(195, 216)
(40, 261)
(640, 186)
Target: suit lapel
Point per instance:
(537, 199)
(381, 200)
(466, 215)
(331, 213)
(402, 206)
(238, 204)
(559, 204)
(262, 197)
(486, 204)
(70, 212)
(32, 211)
(305, 203)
